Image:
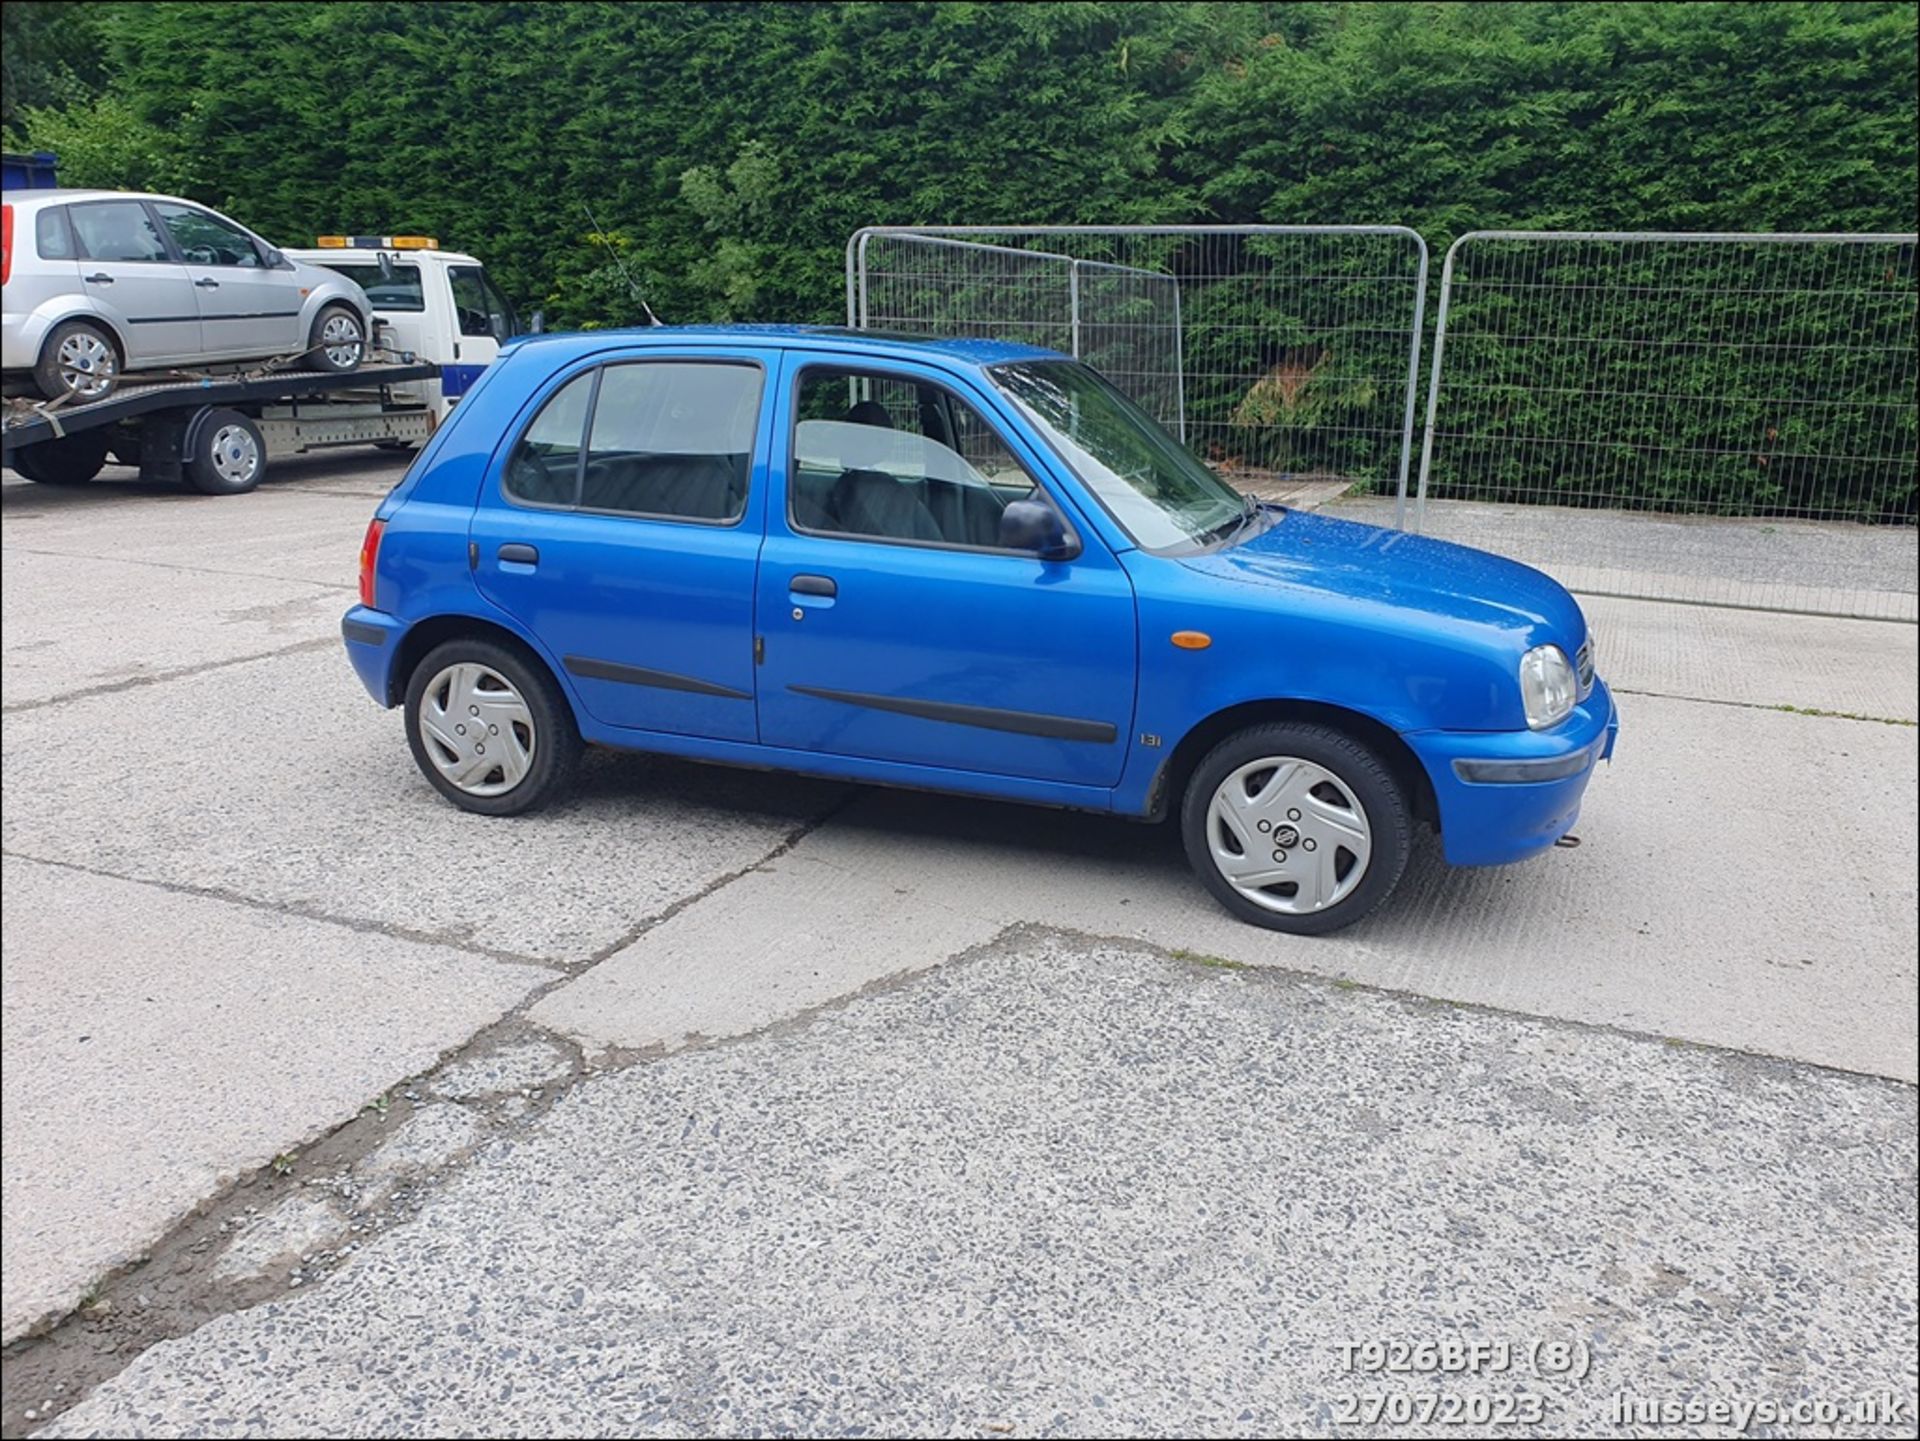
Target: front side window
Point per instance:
(881, 456)
(478, 303)
(668, 440)
(117, 230)
(204, 239)
(399, 290)
(1156, 490)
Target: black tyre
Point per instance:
(338, 341)
(1297, 828)
(490, 729)
(70, 460)
(79, 359)
(225, 454)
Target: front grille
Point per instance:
(1583, 665)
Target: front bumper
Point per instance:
(1504, 796)
(372, 639)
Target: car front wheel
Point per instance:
(489, 728)
(1297, 828)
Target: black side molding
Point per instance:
(590, 669)
(359, 630)
(1019, 722)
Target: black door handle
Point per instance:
(520, 554)
(813, 585)
(207, 282)
(100, 279)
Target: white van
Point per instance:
(437, 304)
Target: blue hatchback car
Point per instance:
(964, 566)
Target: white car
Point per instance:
(102, 283)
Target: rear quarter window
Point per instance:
(52, 235)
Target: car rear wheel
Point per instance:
(337, 342)
(1297, 828)
(225, 454)
(70, 460)
(490, 729)
(78, 360)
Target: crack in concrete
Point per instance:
(1776, 706)
(304, 912)
(161, 677)
(327, 585)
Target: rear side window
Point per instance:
(52, 236)
(672, 439)
(669, 440)
(117, 230)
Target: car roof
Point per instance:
(58, 194)
(343, 254)
(968, 350)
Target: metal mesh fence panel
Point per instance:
(1280, 354)
(1727, 419)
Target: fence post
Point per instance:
(1433, 385)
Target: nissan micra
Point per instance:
(965, 566)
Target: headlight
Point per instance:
(1547, 686)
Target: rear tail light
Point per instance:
(6, 243)
(369, 557)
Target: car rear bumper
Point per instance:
(1509, 795)
(372, 637)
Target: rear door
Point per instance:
(622, 527)
(248, 309)
(128, 270)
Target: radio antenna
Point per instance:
(620, 265)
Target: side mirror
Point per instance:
(386, 264)
(274, 258)
(1035, 526)
(537, 323)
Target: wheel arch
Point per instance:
(422, 636)
(99, 320)
(1170, 782)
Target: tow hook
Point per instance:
(1568, 843)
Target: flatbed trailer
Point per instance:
(216, 433)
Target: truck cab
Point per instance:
(439, 305)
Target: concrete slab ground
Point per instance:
(1117, 1195)
(158, 1045)
(1679, 915)
(279, 781)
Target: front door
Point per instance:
(623, 530)
(483, 322)
(248, 309)
(896, 625)
(127, 269)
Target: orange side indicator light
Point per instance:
(1192, 639)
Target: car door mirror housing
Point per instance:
(1033, 525)
(274, 258)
